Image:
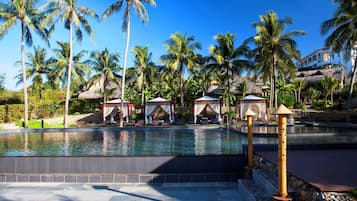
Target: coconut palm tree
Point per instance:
(145, 68)
(299, 85)
(2, 83)
(226, 58)
(74, 17)
(181, 56)
(140, 10)
(29, 17)
(59, 74)
(328, 86)
(275, 52)
(37, 67)
(243, 88)
(106, 65)
(343, 35)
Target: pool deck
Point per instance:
(89, 192)
(331, 169)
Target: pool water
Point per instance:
(123, 142)
(145, 142)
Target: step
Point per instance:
(268, 182)
(250, 191)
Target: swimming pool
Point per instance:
(133, 155)
(161, 141)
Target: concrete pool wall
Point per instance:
(112, 169)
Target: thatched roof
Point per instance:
(93, 92)
(254, 87)
(311, 76)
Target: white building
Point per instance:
(324, 58)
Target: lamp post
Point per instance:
(249, 114)
(282, 113)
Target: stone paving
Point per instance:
(117, 192)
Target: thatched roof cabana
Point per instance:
(94, 91)
(312, 76)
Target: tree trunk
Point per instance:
(24, 74)
(275, 94)
(104, 98)
(124, 68)
(69, 74)
(352, 81)
(229, 88)
(41, 104)
(271, 93)
(142, 89)
(181, 86)
(332, 98)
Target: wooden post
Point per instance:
(249, 114)
(282, 113)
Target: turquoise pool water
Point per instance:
(146, 142)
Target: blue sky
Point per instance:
(200, 18)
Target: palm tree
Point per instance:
(243, 88)
(30, 17)
(328, 86)
(59, 74)
(312, 93)
(181, 56)
(37, 67)
(226, 58)
(71, 14)
(275, 51)
(299, 85)
(106, 65)
(2, 85)
(140, 10)
(343, 35)
(145, 67)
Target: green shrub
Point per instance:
(286, 99)
(354, 193)
(38, 124)
(319, 105)
(133, 116)
(83, 105)
(232, 114)
(300, 106)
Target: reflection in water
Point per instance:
(145, 142)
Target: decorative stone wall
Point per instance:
(304, 191)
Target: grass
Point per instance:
(37, 124)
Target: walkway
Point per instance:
(91, 192)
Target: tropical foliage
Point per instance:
(2, 83)
(106, 65)
(343, 35)
(181, 57)
(140, 10)
(275, 52)
(184, 74)
(30, 17)
(225, 61)
(75, 15)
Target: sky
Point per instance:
(199, 18)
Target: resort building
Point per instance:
(321, 58)
(324, 58)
